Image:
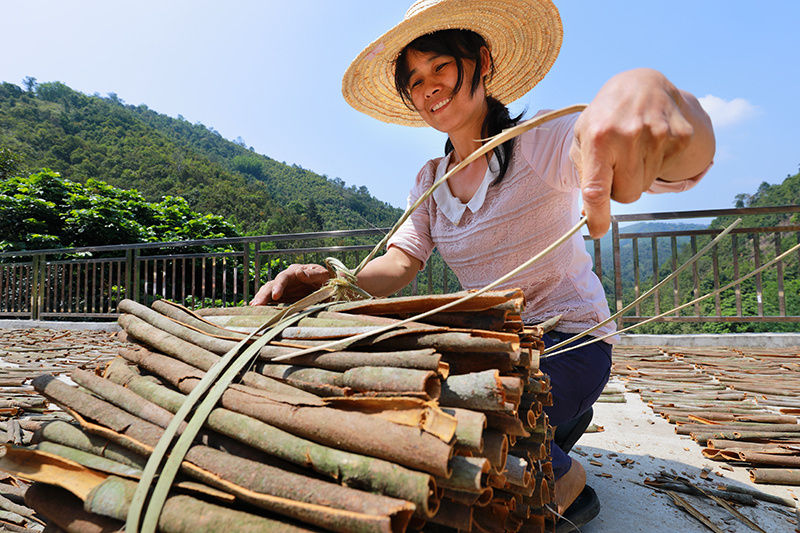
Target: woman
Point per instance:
(452, 65)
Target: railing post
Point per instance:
(135, 275)
(129, 266)
(246, 272)
(37, 282)
(617, 268)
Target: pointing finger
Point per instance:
(597, 177)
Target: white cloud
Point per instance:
(727, 113)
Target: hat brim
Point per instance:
(524, 37)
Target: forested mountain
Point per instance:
(84, 137)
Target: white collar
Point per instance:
(452, 207)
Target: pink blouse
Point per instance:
(503, 226)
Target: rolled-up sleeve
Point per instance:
(414, 235)
(661, 186)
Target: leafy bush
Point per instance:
(45, 210)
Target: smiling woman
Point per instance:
(454, 65)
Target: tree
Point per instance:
(9, 163)
(743, 200)
(30, 84)
(45, 210)
(314, 219)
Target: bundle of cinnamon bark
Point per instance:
(434, 425)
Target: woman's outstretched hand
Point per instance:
(638, 128)
(292, 284)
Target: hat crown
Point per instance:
(419, 6)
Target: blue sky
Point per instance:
(270, 73)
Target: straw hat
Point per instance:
(524, 37)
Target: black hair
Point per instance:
(461, 45)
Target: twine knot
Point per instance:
(343, 282)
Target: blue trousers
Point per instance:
(577, 377)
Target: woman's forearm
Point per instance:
(389, 273)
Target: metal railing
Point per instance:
(749, 301)
(88, 283)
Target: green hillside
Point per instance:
(85, 137)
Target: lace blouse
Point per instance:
(503, 226)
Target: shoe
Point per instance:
(568, 433)
(582, 511)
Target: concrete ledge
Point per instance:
(45, 324)
(710, 340)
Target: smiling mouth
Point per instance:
(440, 105)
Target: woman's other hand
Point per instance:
(638, 128)
(292, 284)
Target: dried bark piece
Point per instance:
(481, 391)
(469, 429)
(468, 474)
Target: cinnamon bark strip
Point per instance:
(494, 319)
(538, 384)
(342, 429)
(687, 429)
(468, 363)
(759, 458)
(469, 429)
(722, 444)
(392, 380)
(70, 435)
(350, 469)
(450, 341)
(517, 471)
(732, 454)
(495, 449)
(313, 380)
(512, 386)
(421, 304)
(481, 391)
(414, 412)
(184, 316)
(425, 359)
(535, 451)
(703, 438)
(775, 476)
(509, 424)
(181, 513)
(470, 498)
(468, 474)
(706, 417)
(90, 460)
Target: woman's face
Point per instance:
(432, 81)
